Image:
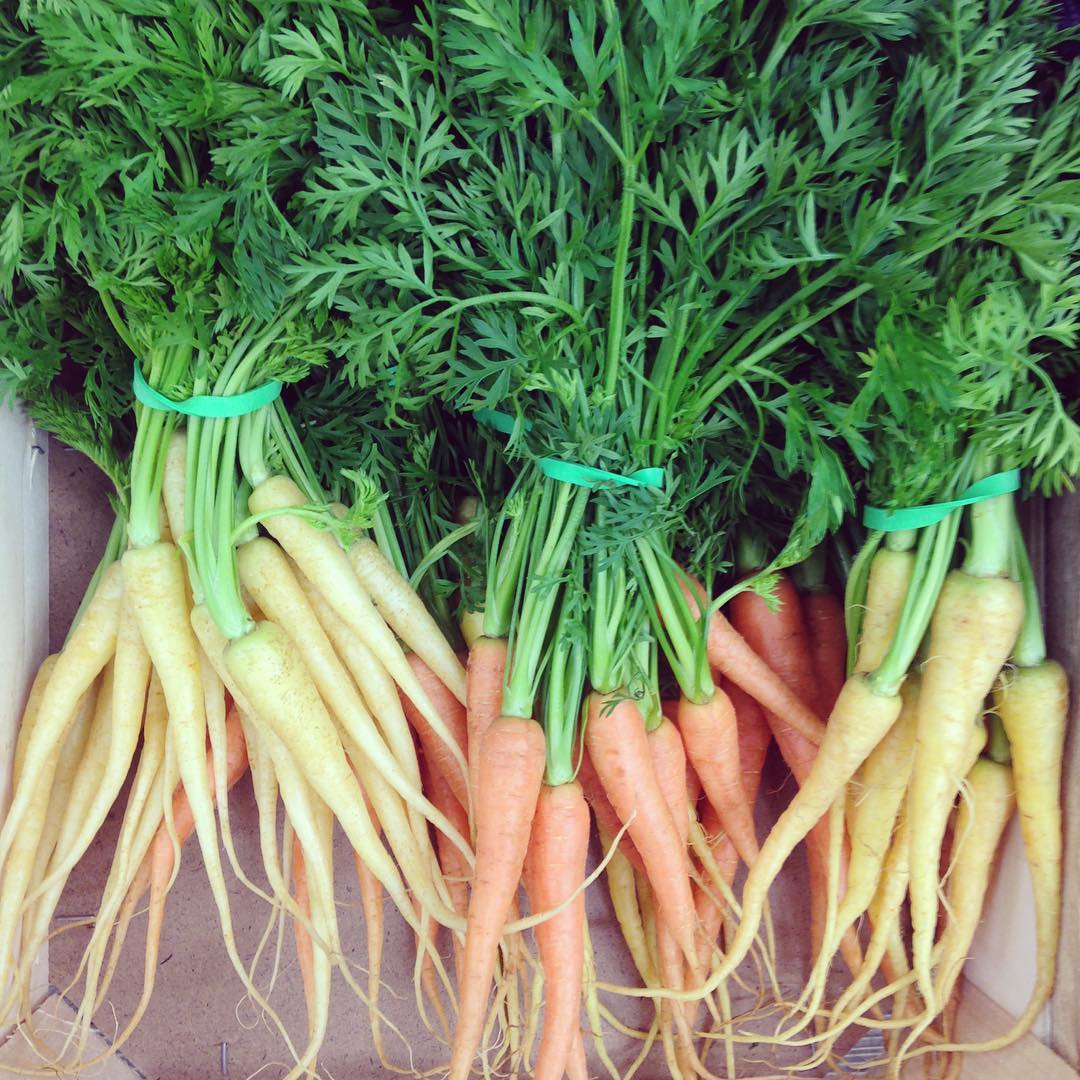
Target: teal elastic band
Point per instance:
(498, 421)
(209, 406)
(572, 472)
(918, 517)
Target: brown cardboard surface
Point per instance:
(980, 1020)
(198, 1001)
(53, 1021)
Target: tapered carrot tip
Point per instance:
(512, 759)
(554, 868)
(712, 744)
(616, 741)
(607, 821)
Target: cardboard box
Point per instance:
(199, 1005)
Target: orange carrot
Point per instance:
(371, 903)
(710, 913)
(669, 765)
(236, 764)
(452, 713)
(712, 744)
(483, 698)
(735, 659)
(455, 869)
(607, 821)
(615, 736)
(554, 868)
(755, 737)
(827, 635)
(512, 759)
(779, 638)
(693, 785)
(577, 1067)
(304, 953)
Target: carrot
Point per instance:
(35, 845)
(236, 763)
(437, 754)
(711, 739)
(161, 865)
(174, 484)
(377, 688)
(884, 912)
(272, 677)
(456, 871)
(484, 675)
(89, 648)
(710, 913)
(160, 854)
(371, 903)
(825, 630)
(875, 803)
(577, 1067)
(624, 902)
(322, 561)
(30, 714)
(472, 629)
(669, 765)
(266, 572)
(692, 783)
(755, 736)
(735, 659)
(387, 782)
(314, 960)
(406, 614)
(156, 583)
(136, 835)
(985, 809)
(886, 587)
(857, 724)
(512, 760)
(877, 798)
(616, 741)
(183, 818)
(1032, 702)
(780, 638)
(426, 942)
(973, 628)
(607, 821)
(157, 873)
(554, 868)
(886, 949)
(304, 953)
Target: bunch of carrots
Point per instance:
(529, 416)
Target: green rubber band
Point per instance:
(209, 406)
(572, 472)
(498, 421)
(918, 517)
